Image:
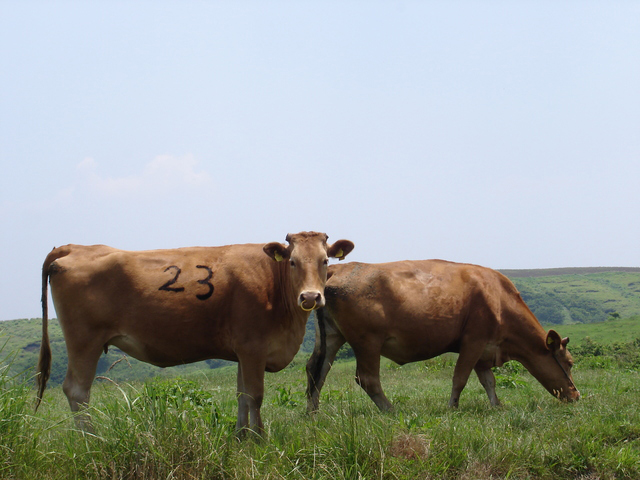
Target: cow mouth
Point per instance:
(572, 396)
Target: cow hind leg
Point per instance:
(328, 342)
(81, 372)
(488, 381)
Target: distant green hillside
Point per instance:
(554, 272)
(610, 300)
(612, 331)
(579, 295)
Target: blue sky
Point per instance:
(500, 133)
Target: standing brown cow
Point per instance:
(415, 310)
(244, 303)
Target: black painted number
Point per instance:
(167, 286)
(205, 281)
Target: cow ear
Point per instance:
(276, 250)
(553, 341)
(340, 249)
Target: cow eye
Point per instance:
(325, 261)
(292, 263)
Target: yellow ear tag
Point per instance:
(549, 340)
(277, 256)
(340, 254)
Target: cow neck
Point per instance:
(527, 340)
(288, 299)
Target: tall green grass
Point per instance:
(183, 428)
(15, 419)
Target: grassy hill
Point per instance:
(607, 333)
(579, 295)
(554, 272)
(599, 303)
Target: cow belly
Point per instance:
(405, 350)
(164, 356)
(493, 356)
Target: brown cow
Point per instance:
(244, 303)
(416, 310)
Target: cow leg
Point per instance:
(488, 381)
(81, 371)
(328, 342)
(470, 353)
(368, 373)
(250, 394)
(243, 405)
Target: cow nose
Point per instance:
(310, 300)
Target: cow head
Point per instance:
(307, 258)
(558, 379)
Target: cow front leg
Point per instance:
(328, 342)
(250, 395)
(368, 375)
(488, 381)
(470, 353)
(243, 406)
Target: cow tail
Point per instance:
(321, 350)
(44, 361)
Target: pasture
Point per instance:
(183, 428)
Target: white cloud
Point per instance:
(165, 169)
(161, 173)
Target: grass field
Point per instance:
(183, 428)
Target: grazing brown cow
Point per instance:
(415, 310)
(244, 303)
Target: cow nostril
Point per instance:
(308, 301)
(310, 297)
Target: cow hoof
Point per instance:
(246, 433)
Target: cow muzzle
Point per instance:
(571, 395)
(574, 395)
(310, 301)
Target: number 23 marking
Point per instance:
(167, 287)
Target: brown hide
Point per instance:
(415, 310)
(169, 307)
